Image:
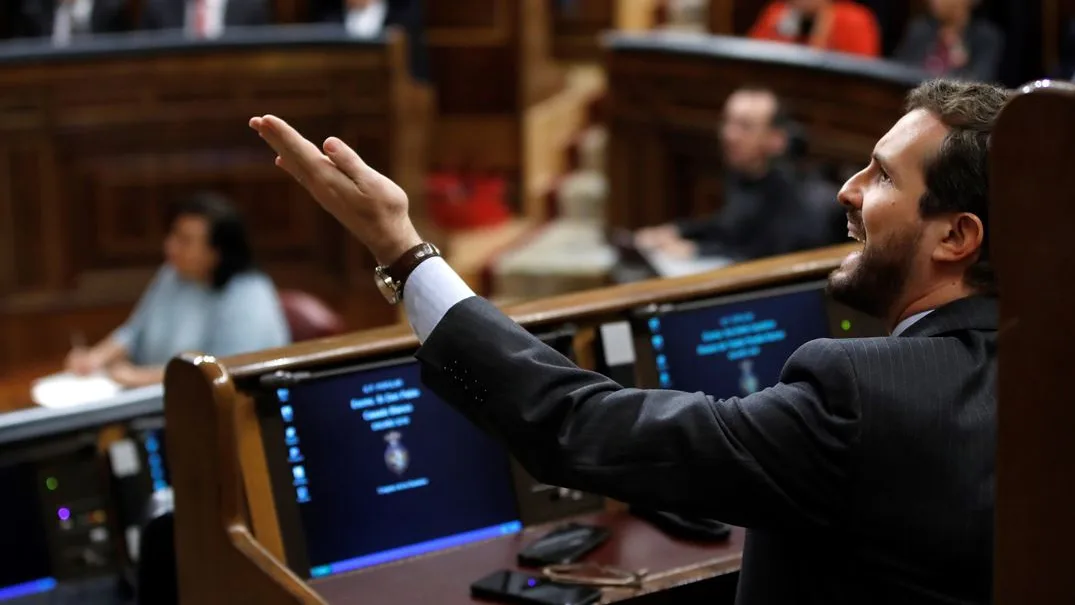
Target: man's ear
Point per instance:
(962, 238)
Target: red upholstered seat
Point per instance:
(308, 317)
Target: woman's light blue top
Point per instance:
(176, 316)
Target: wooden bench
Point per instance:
(98, 139)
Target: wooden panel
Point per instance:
(1035, 264)
(473, 56)
(479, 143)
(664, 150)
(217, 559)
(463, 16)
(577, 27)
(97, 146)
(491, 60)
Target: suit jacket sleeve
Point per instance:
(778, 458)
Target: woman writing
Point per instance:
(207, 297)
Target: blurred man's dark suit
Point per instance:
(866, 476)
(36, 18)
(172, 14)
(407, 15)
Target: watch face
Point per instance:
(386, 285)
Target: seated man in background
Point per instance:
(64, 20)
(204, 18)
(950, 41)
(369, 18)
(763, 212)
(207, 297)
(836, 25)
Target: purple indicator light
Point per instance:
(64, 514)
(531, 582)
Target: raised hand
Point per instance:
(366, 202)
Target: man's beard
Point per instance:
(873, 282)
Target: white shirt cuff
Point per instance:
(430, 292)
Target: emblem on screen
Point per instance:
(396, 456)
(748, 382)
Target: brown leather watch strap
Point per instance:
(400, 270)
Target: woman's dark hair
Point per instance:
(227, 234)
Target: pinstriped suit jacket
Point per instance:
(865, 476)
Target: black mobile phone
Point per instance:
(515, 587)
(565, 544)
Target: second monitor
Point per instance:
(737, 345)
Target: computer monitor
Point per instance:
(368, 466)
(737, 345)
(25, 565)
(55, 520)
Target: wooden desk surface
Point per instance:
(445, 578)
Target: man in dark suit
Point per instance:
(64, 20)
(764, 212)
(865, 476)
(369, 18)
(204, 18)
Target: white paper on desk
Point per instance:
(66, 390)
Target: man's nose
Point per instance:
(850, 195)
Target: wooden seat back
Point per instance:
(1032, 212)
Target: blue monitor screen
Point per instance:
(154, 445)
(737, 347)
(381, 469)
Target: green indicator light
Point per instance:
(846, 325)
(52, 483)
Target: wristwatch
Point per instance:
(391, 279)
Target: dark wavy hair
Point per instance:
(227, 234)
(957, 176)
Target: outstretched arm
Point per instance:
(776, 458)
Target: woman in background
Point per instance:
(207, 297)
(951, 42)
(833, 25)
